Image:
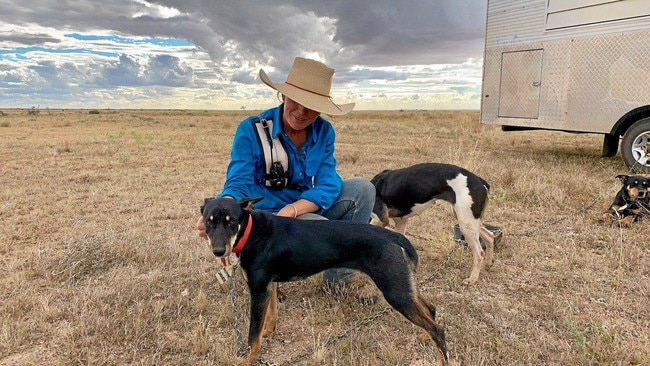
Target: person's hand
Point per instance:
(200, 227)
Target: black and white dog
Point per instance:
(406, 192)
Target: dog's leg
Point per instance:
(415, 308)
(271, 311)
(400, 225)
(488, 239)
(626, 221)
(423, 315)
(393, 276)
(260, 295)
(471, 227)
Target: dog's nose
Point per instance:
(218, 252)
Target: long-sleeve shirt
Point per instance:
(312, 171)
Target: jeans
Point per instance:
(355, 203)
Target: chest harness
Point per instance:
(276, 159)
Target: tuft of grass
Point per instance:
(65, 148)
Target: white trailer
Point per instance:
(571, 65)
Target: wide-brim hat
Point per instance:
(309, 83)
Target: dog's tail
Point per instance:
(411, 254)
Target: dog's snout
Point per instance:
(218, 252)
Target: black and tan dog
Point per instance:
(631, 202)
(275, 249)
(403, 193)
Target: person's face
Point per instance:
(296, 116)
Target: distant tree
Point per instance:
(243, 108)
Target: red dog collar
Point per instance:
(244, 238)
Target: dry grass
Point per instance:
(101, 265)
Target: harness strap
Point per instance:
(272, 149)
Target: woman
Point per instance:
(313, 188)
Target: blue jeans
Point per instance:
(355, 203)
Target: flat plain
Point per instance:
(101, 265)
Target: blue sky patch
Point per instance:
(168, 42)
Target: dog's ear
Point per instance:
(247, 203)
(204, 203)
(622, 178)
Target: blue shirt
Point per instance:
(313, 170)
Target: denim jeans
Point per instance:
(355, 203)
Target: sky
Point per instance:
(206, 54)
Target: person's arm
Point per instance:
(240, 176)
(298, 208)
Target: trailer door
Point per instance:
(521, 80)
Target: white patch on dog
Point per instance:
(233, 238)
(459, 185)
(418, 208)
(374, 220)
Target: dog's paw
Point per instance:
(470, 281)
(489, 261)
(607, 217)
(626, 221)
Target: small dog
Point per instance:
(631, 202)
(406, 192)
(275, 249)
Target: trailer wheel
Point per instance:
(636, 146)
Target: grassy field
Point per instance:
(101, 264)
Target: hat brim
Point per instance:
(316, 102)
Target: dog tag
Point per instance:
(225, 274)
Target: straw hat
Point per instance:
(309, 83)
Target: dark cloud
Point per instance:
(125, 72)
(360, 39)
(162, 70)
(27, 39)
(252, 32)
(389, 32)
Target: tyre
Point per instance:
(636, 145)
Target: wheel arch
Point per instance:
(628, 119)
